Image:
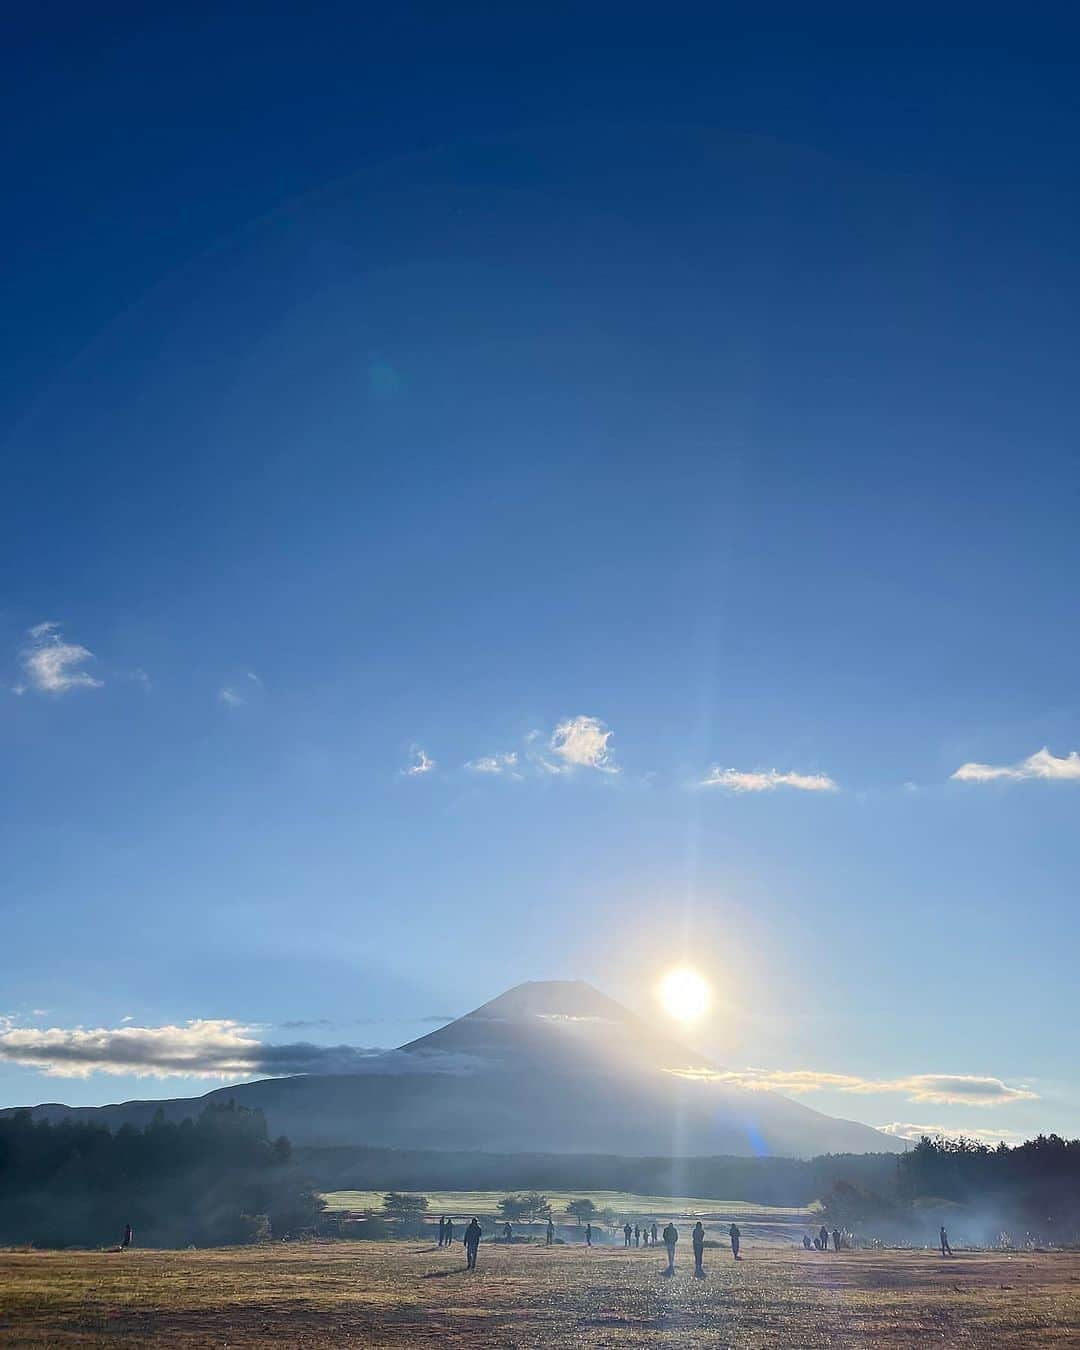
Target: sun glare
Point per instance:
(684, 994)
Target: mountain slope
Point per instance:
(549, 1066)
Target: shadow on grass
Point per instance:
(442, 1274)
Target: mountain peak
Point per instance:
(568, 1026)
(552, 998)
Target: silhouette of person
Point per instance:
(508, 1232)
(655, 1234)
(823, 1234)
(807, 1243)
(637, 1236)
(442, 1230)
(946, 1250)
(588, 1235)
(472, 1242)
(550, 1231)
(628, 1233)
(817, 1244)
(734, 1235)
(836, 1239)
(125, 1241)
(449, 1237)
(698, 1237)
(671, 1236)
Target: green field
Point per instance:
(485, 1203)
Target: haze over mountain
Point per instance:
(548, 1066)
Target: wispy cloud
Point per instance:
(216, 1048)
(54, 666)
(737, 780)
(213, 1048)
(902, 1129)
(1042, 764)
(503, 763)
(231, 698)
(582, 742)
(951, 1089)
(419, 763)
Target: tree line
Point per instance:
(764, 1181)
(214, 1180)
(1030, 1192)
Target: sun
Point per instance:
(684, 994)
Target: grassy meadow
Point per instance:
(402, 1294)
(485, 1203)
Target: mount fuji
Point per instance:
(547, 1067)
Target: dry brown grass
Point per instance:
(400, 1294)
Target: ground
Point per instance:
(408, 1294)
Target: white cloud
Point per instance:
(419, 764)
(214, 1048)
(943, 1088)
(736, 780)
(1042, 764)
(582, 742)
(53, 665)
(504, 763)
(902, 1129)
(231, 698)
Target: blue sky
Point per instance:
(682, 421)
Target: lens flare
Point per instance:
(684, 994)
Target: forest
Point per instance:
(210, 1181)
(1029, 1193)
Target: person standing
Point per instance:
(472, 1243)
(448, 1235)
(637, 1235)
(946, 1250)
(125, 1241)
(588, 1235)
(699, 1249)
(628, 1234)
(442, 1230)
(836, 1239)
(655, 1234)
(734, 1235)
(671, 1236)
(823, 1234)
(508, 1232)
(551, 1231)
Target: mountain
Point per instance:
(547, 1067)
